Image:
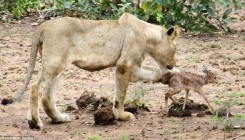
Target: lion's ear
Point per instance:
(173, 32)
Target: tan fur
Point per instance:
(188, 80)
(95, 45)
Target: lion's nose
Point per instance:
(169, 67)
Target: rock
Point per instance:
(222, 112)
(104, 116)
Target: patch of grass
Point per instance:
(4, 34)
(1, 84)
(5, 92)
(127, 101)
(235, 58)
(64, 108)
(75, 133)
(242, 94)
(229, 123)
(118, 124)
(68, 76)
(216, 45)
(94, 138)
(172, 119)
(196, 59)
(176, 136)
(124, 137)
(193, 136)
(150, 123)
(138, 99)
(139, 134)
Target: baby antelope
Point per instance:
(187, 81)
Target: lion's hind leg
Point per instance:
(44, 90)
(49, 101)
(33, 114)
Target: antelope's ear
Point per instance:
(173, 32)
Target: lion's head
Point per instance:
(163, 49)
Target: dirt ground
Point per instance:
(223, 54)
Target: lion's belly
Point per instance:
(90, 67)
(97, 54)
(96, 63)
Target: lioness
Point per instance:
(92, 46)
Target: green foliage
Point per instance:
(125, 6)
(229, 123)
(64, 108)
(233, 100)
(16, 7)
(1, 84)
(172, 119)
(124, 137)
(176, 136)
(216, 119)
(196, 59)
(150, 11)
(194, 16)
(94, 138)
(138, 99)
(75, 133)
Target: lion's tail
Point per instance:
(37, 41)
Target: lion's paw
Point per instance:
(129, 116)
(33, 124)
(125, 116)
(63, 118)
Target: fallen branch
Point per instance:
(65, 104)
(238, 136)
(46, 13)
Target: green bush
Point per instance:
(194, 16)
(16, 8)
(229, 123)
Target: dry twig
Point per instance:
(238, 136)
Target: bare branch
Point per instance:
(238, 136)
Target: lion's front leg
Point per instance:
(148, 73)
(123, 74)
(145, 73)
